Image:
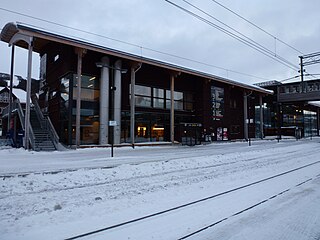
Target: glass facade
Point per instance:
(151, 97)
(310, 123)
(155, 126)
(89, 112)
(149, 127)
(293, 118)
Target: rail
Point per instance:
(45, 122)
(199, 201)
(16, 107)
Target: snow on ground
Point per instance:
(88, 190)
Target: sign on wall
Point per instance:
(217, 100)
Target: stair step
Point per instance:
(42, 137)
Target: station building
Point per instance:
(95, 95)
(293, 109)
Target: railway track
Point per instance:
(194, 171)
(261, 161)
(195, 232)
(207, 199)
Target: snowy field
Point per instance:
(59, 195)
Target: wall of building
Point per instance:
(62, 60)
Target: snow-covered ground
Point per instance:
(58, 195)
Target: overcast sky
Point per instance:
(160, 26)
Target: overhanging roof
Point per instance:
(43, 37)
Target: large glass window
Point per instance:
(310, 123)
(161, 98)
(188, 101)
(142, 96)
(158, 98)
(149, 127)
(89, 112)
(178, 100)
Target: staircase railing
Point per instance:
(45, 122)
(16, 107)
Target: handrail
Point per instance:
(53, 131)
(17, 107)
(46, 122)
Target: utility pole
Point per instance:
(301, 72)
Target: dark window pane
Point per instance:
(158, 103)
(142, 90)
(158, 93)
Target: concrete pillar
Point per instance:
(27, 114)
(261, 117)
(104, 102)
(117, 102)
(132, 106)
(172, 109)
(245, 116)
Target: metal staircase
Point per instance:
(42, 135)
(42, 139)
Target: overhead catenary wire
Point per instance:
(221, 22)
(130, 44)
(238, 32)
(256, 26)
(246, 42)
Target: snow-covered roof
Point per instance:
(314, 103)
(43, 37)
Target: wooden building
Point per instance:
(125, 98)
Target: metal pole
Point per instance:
(245, 115)
(278, 114)
(261, 117)
(11, 85)
(310, 120)
(27, 115)
(112, 89)
(78, 112)
(249, 119)
(301, 72)
(132, 106)
(318, 122)
(172, 109)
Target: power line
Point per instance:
(127, 43)
(261, 47)
(246, 42)
(255, 25)
(169, 54)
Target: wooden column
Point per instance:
(27, 114)
(134, 68)
(172, 108)
(80, 52)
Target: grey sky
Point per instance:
(160, 26)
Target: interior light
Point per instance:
(158, 128)
(93, 78)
